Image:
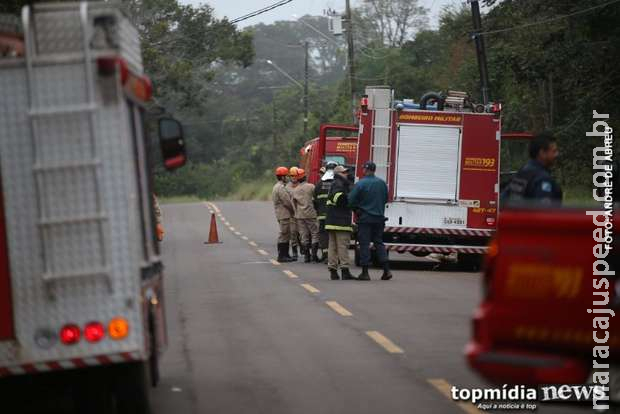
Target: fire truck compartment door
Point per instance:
(428, 162)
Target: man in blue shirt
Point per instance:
(533, 183)
(368, 199)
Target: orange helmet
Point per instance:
(301, 173)
(281, 171)
(293, 172)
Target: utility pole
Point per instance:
(480, 51)
(351, 59)
(306, 90)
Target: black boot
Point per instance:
(307, 257)
(346, 275)
(333, 274)
(315, 251)
(387, 275)
(295, 255)
(364, 275)
(323, 256)
(283, 256)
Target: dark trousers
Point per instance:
(371, 232)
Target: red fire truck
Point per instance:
(342, 150)
(80, 271)
(442, 170)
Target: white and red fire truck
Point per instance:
(441, 163)
(80, 271)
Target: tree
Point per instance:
(389, 22)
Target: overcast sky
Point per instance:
(234, 9)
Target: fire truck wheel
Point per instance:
(154, 357)
(470, 261)
(133, 389)
(93, 392)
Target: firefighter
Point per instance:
(338, 225)
(283, 206)
(368, 199)
(158, 219)
(534, 182)
(321, 192)
(292, 184)
(305, 216)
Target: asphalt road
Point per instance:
(249, 335)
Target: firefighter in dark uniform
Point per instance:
(321, 191)
(339, 226)
(533, 183)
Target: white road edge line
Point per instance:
(261, 251)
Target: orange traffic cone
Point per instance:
(213, 237)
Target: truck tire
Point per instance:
(94, 392)
(133, 386)
(154, 357)
(470, 261)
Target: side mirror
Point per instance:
(171, 143)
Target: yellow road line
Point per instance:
(338, 308)
(244, 237)
(444, 388)
(310, 288)
(264, 253)
(388, 345)
(290, 274)
(253, 244)
(274, 262)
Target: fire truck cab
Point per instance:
(441, 164)
(81, 279)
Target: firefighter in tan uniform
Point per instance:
(292, 184)
(305, 216)
(283, 206)
(158, 219)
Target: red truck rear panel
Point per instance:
(6, 306)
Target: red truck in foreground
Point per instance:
(549, 297)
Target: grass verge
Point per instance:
(259, 190)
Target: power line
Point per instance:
(564, 16)
(261, 11)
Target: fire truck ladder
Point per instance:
(381, 126)
(54, 224)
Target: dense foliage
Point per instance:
(550, 65)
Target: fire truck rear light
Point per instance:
(70, 334)
(491, 221)
(118, 328)
(94, 332)
(107, 67)
(45, 338)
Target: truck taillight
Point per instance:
(107, 66)
(70, 334)
(118, 328)
(491, 221)
(94, 332)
